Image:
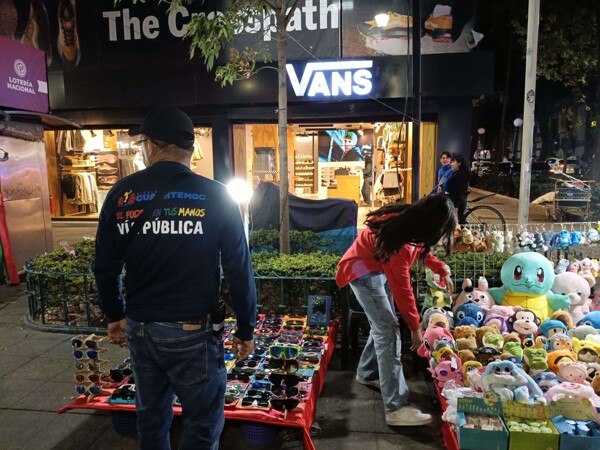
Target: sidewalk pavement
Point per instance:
(36, 379)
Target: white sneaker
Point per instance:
(372, 383)
(407, 416)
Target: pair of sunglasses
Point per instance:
(92, 377)
(285, 351)
(125, 392)
(92, 341)
(295, 322)
(287, 365)
(238, 377)
(118, 374)
(93, 366)
(293, 327)
(284, 404)
(309, 359)
(288, 391)
(88, 354)
(287, 379)
(289, 340)
(239, 371)
(313, 342)
(250, 402)
(252, 363)
(92, 389)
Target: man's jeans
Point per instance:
(381, 358)
(168, 360)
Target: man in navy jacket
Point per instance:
(174, 231)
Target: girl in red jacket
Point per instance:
(377, 267)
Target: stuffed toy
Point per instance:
(550, 327)
(547, 235)
(562, 266)
(468, 367)
(498, 241)
(480, 332)
(538, 242)
(559, 341)
(592, 370)
(509, 241)
(442, 351)
(496, 320)
(575, 237)
(564, 317)
(465, 242)
(513, 336)
(535, 358)
(577, 289)
(510, 382)
(585, 270)
(446, 371)
(573, 267)
(587, 350)
(430, 336)
(436, 294)
(595, 384)
(526, 323)
(546, 380)
(485, 355)
(429, 313)
(492, 340)
(595, 303)
(466, 355)
(592, 319)
(472, 294)
(465, 337)
(560, 355)
(583, 332)
(525, 240)
(592, 235)
(514, 349)
(469, 314)
(572, 390)
(527, 279)
(561, 240)
(573, 372)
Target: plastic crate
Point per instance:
(124, 422)
(259, 433)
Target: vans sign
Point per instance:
(332, 79)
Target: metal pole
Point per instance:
(533, 19)
(416, 94)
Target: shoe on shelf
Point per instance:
(372, 383)
(407, 416)
(398, 26)
(32, 30)
(439, 24)
(68, 40)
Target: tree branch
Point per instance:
(291, 13)
(271, 5)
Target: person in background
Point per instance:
(367, 179)
(174, 231)
(457, 186)
(443, 174)
(377, 268)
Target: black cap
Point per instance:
(167, 124)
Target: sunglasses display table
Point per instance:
(300, 418)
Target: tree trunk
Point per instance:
(595, 170)
(284, 207)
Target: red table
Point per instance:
(301, 419)
(450, 438)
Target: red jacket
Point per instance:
(359, 260)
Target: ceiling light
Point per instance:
(382, 19)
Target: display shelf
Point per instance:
(304, 172)
(298, 419)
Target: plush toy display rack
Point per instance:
(301, 417)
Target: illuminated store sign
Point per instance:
(333, 79)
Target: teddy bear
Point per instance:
(465, 337)
(466, 355)
(464, 242)
(513, 336)
(577, 288)
(480, 332)
(498, 241)
(474, 295)
(585, 270)
(527, 279)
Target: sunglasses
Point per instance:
(273, 320)
(289, 379)
(312, 350)
(239, 371)
(288, 391)
(285, 351)
(287, 365)
(293, 327)
(294, 322)
(120, 373)
(289, 340)
(88, 354)
(91, 341)
(125, 392)
(93, 366)
(92, 377)
(239, 377)
(284, 404)
(88, 388)
(249, 402)
(248, 362)
(310, 359)
(319, 331)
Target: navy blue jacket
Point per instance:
(173, 262)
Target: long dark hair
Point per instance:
(463, 165)
(424, 224)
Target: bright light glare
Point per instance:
(240, 190)
(518, 122)
(382, 19)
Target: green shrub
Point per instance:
(316, 264)
(267, 240)
(469, 265)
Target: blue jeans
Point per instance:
(168, 360)
(381, 357)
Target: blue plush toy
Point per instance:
(526, 282)
(592, 319)
(562, 239)
(575, 237)
(510, 382)
(551, 326)
(469, 314)
(546, 380)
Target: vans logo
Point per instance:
(332, 79)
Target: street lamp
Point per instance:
(518, 122)
(241, 192)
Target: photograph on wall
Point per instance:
(446, 27)
(345, 145)
(107, 169)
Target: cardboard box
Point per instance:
(573, 409)
(475, 438)
(524, 440)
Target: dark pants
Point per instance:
(168, 360)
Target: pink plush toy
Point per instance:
(577, 288)
(448, 370)
(475, 295)
(430, 336)
(572, 390)
(573, 372)
(585, 270)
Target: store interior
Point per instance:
(368, 162)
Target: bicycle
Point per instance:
(484, 214)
